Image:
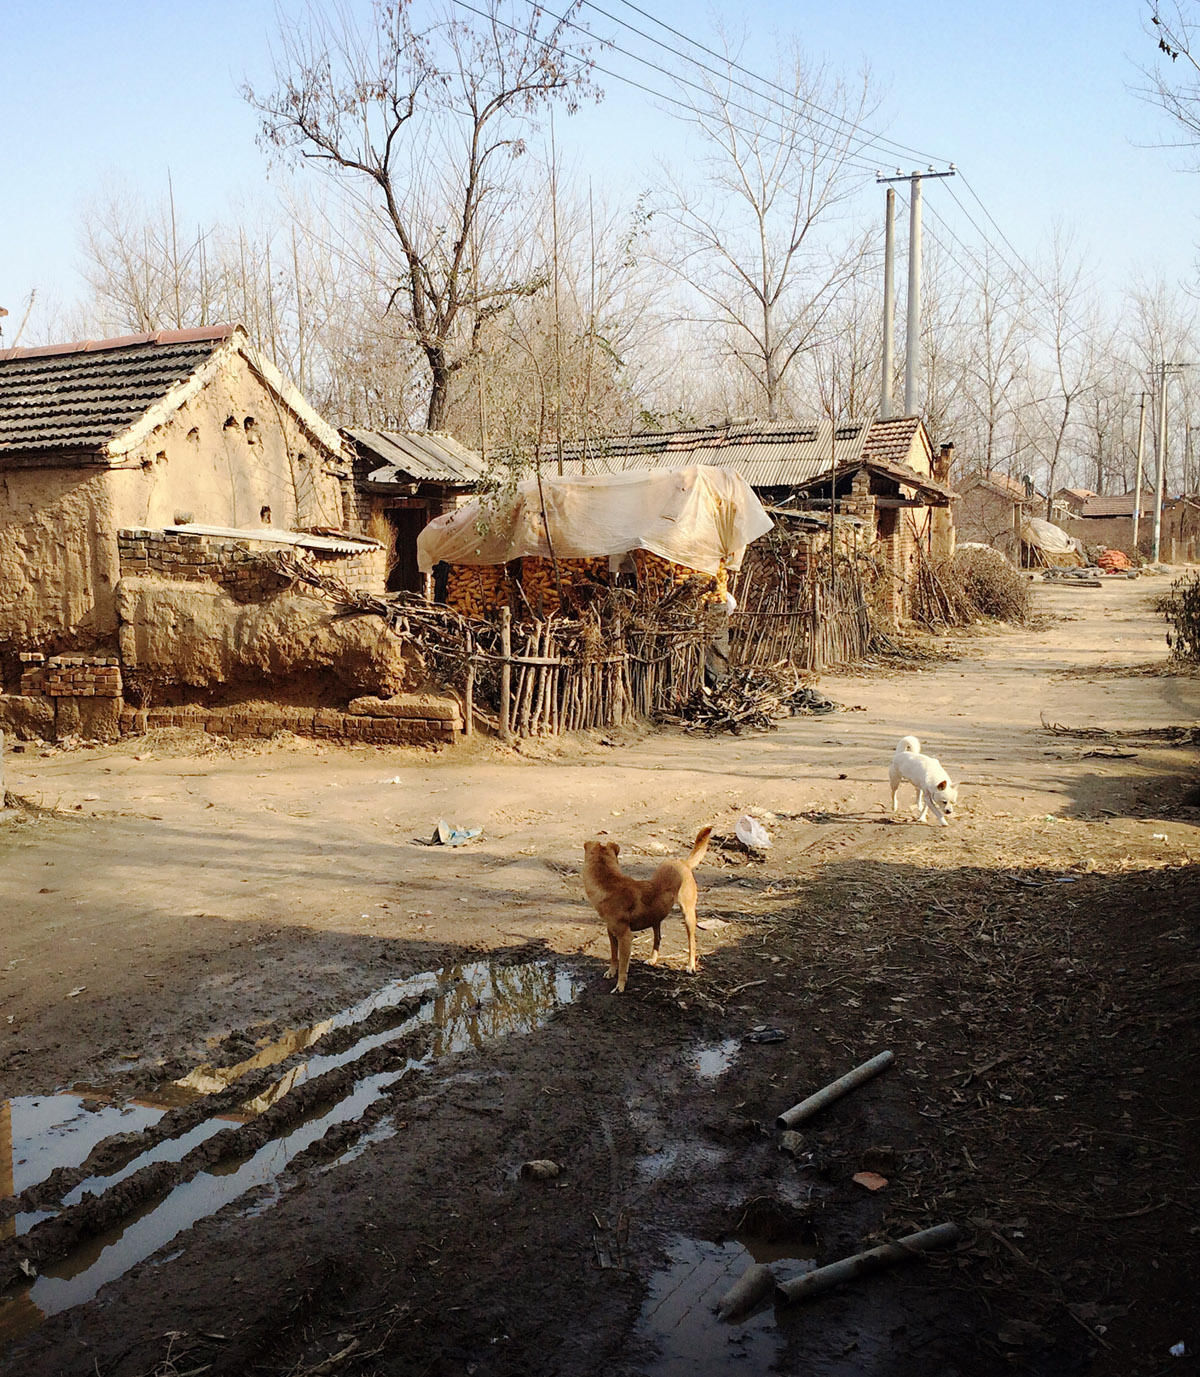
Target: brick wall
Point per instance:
(237, 564)
(70, 676)
(330, 724)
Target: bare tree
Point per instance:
(424, 131)
(1174, 82)
(569, 364)
(996, 363)
(756, 242)
(1072, 345)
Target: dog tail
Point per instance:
(909, 744)
(700, 847)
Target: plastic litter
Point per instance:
(751, 833)
(1179, 1350)
(444, 834)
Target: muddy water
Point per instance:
(465, 1007)
(678, 1317)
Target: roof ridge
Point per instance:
(197, 335)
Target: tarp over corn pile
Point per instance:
(700, 517)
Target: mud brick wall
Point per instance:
(237, 565)
(365, 572)
(71, 676)
(323, 723)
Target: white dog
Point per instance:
(927, 777)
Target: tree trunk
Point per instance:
(439, 393)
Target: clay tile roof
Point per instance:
(78, 397)
(1005, 484)
(1117, 505)
(891, 440)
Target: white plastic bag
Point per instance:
(751, 833)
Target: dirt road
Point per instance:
(309, 1053)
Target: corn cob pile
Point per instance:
(541, 589)
(478, 591)
(657, 577)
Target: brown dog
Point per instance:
(628, 905)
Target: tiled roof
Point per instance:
(424, 455)
(766, 454)
(1117, 505)
(78, 397)
(891, 440)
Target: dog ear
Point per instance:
(616, 848)
(945, 784)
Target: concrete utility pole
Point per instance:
(912, 329)
(1137, 483)
(889, 307)
(1160, 477)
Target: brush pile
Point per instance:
(977, 582)
(992, 584)
(1180, 607)
(750, 699)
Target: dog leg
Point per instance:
(687, 906)
(657, 940)
(923, 798)
(624, 947)
(612, 956)
(895, 781)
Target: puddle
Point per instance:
(678, 1317)
(465, 1007)
(714, 1060)
(39, 1133)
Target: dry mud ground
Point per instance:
(308, 1055)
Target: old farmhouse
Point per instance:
(152, 489)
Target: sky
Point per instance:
(1034, 103)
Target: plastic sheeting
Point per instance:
(1046, 536)
(699, 517)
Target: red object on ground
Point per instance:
(1113, 561)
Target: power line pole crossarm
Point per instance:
(912, 333)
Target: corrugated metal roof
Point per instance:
(81, 396)
(429, 456)
(766, 455)
(268, 535)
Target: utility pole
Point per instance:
(1160, 477)
(1137, 483)
(889, 307)
(912, 329)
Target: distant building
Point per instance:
(989, 508)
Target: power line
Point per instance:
(876, 140)
(849, 159)
(842, 127)
(683, 105)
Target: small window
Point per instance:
(264, 515)
(194, 435)
(250, 426)
(231, 423)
